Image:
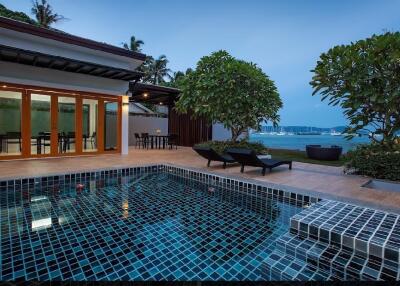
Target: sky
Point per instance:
(285, 38)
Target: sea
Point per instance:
(299, 142)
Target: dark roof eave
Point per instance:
(142, 87)
(37, 59)
(67, 38)
(156, 93)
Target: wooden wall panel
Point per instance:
(190, 131)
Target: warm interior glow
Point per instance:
(145, 94)
(125, 209)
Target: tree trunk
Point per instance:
(236, 133)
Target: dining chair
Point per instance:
(13, 138)
(93, 140)
(145, 140)
(173, 140)
(138, 140)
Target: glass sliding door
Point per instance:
(43, 122)
(10, 123)
(40, 124)
(110, 125)
(89, 124)
(66, 124)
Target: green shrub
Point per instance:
(374, 161)
(221, 146)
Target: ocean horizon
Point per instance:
(299, 142)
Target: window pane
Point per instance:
(110, 125)
(89, 125)
(40, 124)
(10, 123)
(66, 124)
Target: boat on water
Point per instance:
(281, 132)
(309, 133)
(334, 133)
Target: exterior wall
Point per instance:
(139, 108)
(56, 48)
(145, 124)
(220, 133)
(125, 125)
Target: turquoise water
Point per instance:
(141, 227)
(299, 142)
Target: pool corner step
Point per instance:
(283, 267)
(366, 231)
(340, 263)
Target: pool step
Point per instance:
(366, 231)
(283, 267)
(339, 263)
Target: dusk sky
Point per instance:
(285, 38)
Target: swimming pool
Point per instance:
(158, 223)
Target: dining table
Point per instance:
(156, 141)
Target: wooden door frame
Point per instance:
(7, 87)
(55, 93)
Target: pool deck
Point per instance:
(325, 181)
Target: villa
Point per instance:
(83, 198)
(62, 95)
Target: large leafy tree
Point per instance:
(234, 92)
(364, 79)
(134, 45)
(20, 16)
(45, 16)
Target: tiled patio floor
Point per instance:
(329, 182)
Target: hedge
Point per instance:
(221, 146)
(373, 161)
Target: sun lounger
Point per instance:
(247, 157)
(211, 155)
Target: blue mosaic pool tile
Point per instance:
(162, 222)
(144, 225)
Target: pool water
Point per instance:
(154, 226)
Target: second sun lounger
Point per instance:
(247, 157)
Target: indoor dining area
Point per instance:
(43, 123)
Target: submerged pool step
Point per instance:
(339, 263)
(283, 267)
(366, 231)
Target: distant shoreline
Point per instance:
(299, 142)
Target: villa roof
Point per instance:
(144, 92)
(21, 56)
(67, 38)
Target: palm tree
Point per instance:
(44, 14)
(177, 76)
(156, 70)
(134, 45)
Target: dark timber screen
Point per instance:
(190, 131)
